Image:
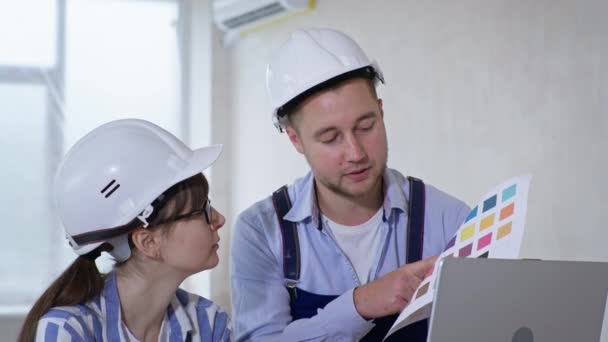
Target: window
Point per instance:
(65, 68)
(122, 61)
(27, 36)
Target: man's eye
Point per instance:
(329, 140)
(366, 126)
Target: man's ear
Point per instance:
(292, 133)
(147, 242)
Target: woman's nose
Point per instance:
(217, 220)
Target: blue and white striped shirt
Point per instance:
(188, 318)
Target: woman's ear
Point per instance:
(147, 242)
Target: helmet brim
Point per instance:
(199, 161)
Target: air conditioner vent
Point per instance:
(255, 15)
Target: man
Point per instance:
(333, 256)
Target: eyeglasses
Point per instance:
(206, 210)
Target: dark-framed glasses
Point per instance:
(206, 211)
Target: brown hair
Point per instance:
(291, 113)
(82, 281)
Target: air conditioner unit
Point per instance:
(239, 17)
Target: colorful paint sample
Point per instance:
(486, 222)
(467, 232)
(493, 229)
(472, 214)
(509, 192)
(451, 243)
(466, 250)
(489, 203)
(423, 290)
(484, 241)
(503, 231)
(507, 211)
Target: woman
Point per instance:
(135, 191)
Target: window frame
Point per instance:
(52, 79)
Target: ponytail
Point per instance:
(79, 283)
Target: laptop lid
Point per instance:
(481, 300)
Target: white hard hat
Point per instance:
(111, 176)
(310, 58)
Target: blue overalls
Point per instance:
(305, 304)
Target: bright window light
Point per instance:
(28, 30)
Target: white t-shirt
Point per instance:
(359, 243)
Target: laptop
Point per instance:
(488, 300)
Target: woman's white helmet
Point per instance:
(309, 58)
(112, 175)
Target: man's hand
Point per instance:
(393, 292)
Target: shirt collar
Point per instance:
(110, 291)
(396, 192)
(304, 197)
(304, 200)
(175, 314)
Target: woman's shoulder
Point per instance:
(63, 313)
(64, 321)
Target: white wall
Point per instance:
(477, 91)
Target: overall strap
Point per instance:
(416, 332)
(291, 245)
(415, 222)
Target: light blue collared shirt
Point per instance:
(188, 318)
(260, 301)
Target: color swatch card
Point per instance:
(493, 229)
